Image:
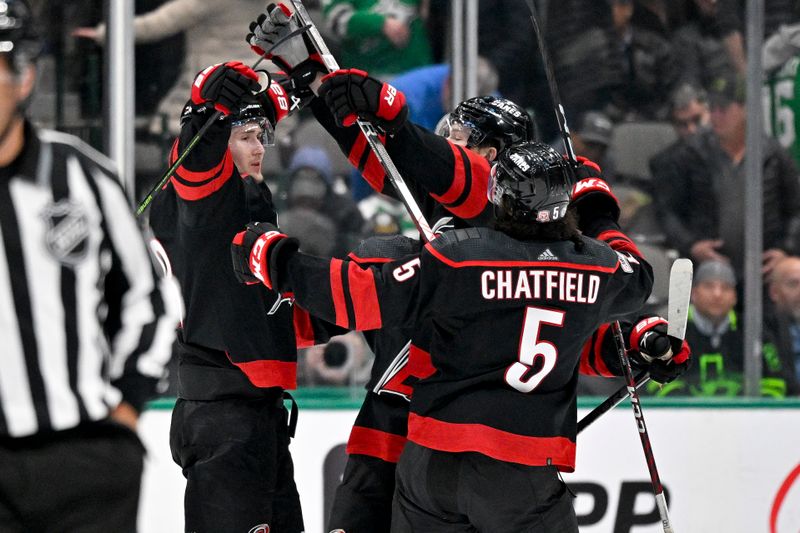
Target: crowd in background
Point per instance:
(654, 90)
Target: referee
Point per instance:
(83, 326)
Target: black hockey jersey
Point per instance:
(508, 322)
(227, 325)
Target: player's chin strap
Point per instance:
(199, 135)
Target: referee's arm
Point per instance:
(140, 324)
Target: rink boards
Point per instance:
(730, 467)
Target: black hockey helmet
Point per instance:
(252, 112)
(530, 183)
(488, 117)
(19, 40)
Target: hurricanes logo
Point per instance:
(67, 235)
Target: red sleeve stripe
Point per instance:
(364, 160)
(600, 363)
(492, 442)
(586, 367)
(272, 373)
(364, 296)
(457, 185)
(337, 293)
(357, 152)
(303, 330)
(368, 260)
(619, 242)
(375, 443)
(173, 155)
(205, 175)
(373, 172)
(498, 264)
(477, 176)
(198, 193)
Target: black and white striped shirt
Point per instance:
(82, 319)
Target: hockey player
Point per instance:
(509, 310)
(237, 345)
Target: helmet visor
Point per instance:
(265, 132)
(459, 131)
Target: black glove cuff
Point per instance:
(279, 256)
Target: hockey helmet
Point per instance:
(19, 40)
(487, 117)
(251, 113)
(530, 183)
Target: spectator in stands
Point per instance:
(781, 54)
(716, 339)
(782, 327)
(591, 139)
(699, 190)
(689, 110)
(383, 38)
(311, 189)
(215, 33)
(641, 68)
(710, 43)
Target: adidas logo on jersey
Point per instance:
(547, 255)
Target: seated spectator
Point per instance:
(699, 188)
(782, 327)
(311, 187)
(379, 37)
(689, 110)
(717, 342)
(591, 140)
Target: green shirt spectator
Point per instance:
(379, 36)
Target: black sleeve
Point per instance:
(671, 183)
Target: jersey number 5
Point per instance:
(520, 375)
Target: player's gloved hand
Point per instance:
(296, 55)
(665, 357)
(352, 94)
(224, 85)
(260, 254)
(591, 195)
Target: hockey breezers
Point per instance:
(199, 135)
(367, 128)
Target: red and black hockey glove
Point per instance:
(260, 254)
(592, 196)
(224, 85)
(352, 94)
(296, 55)
(653, 350)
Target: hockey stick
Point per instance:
(680, 288)
(367, 129)
(199, 135)
(551, 82)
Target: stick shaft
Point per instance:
(611, 402)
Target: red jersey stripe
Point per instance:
(626, 246)
(205, 175)
(375, 443)
(364, 296)
(192, 194)
(337, 293)
(497, 264)
(303, 330)
(270, 373)
(459, 178)
(368, 260)
(476, 201)
(586, 366)
(419, 363)
(492, 442)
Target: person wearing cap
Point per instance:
(782, 319)
(714, 333)
(702, 187)
(592, 137)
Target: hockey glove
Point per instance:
(296, 52)
(352, 94)
(224, 85)
(591, 195)
(260, 253)
(664, 357)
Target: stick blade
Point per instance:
(680, 289)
